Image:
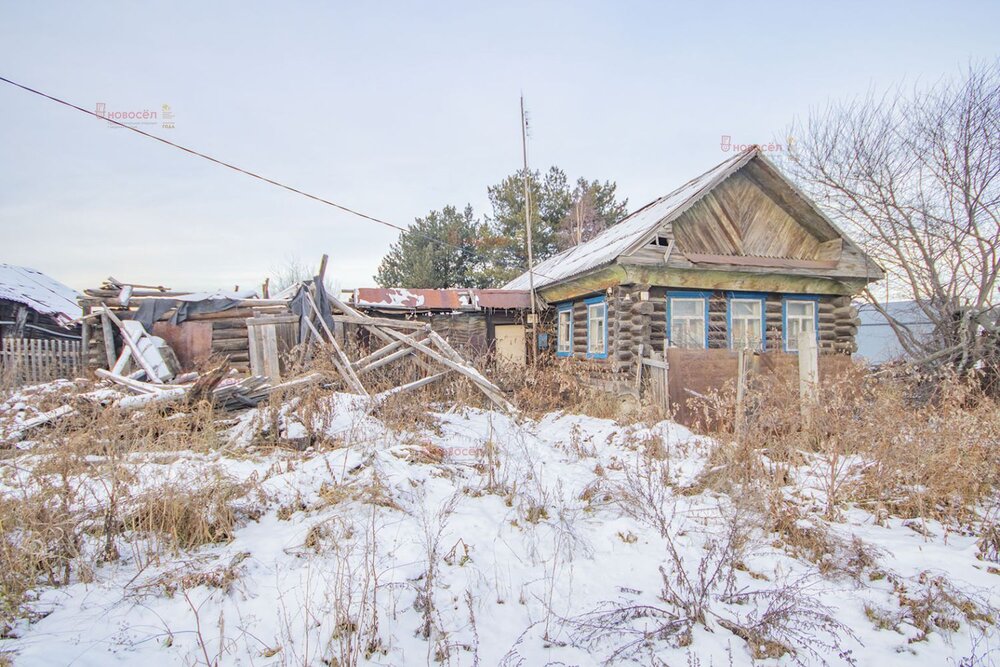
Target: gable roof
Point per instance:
(637, 227)
(39, 292)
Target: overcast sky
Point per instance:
(396, 109)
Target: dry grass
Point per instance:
(184, 514)
(881, 443)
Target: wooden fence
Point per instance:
(31, 360)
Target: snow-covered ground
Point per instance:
(487, 540)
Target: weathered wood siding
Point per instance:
(633, 322)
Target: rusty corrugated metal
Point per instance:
(397, 298)
(503, 298)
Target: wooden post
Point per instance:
(666, 379)
(638, 373)
(109, 340)
(808, 374)
(742, 357)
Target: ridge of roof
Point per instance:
(617, 239)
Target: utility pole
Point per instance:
(527, 226)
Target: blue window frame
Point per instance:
(597, 327)
(797, 312)
(684, 320)
(564, 330)
(746, 316)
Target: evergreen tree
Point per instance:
(490, 253)
(438, 251)
(594, 209)
(561, 217)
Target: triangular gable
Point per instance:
(797, 232)
(615, 241)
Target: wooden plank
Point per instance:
(256, 353)
(410, 386)
(455, 361)
(270, 349)
(137, 355)
(774, 262)
(349, 375)
(808, 374)
(383, 351)
(379, 321)
(275, 319)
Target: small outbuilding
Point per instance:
(35, 306)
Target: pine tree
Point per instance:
(438, 251)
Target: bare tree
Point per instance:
(296, 270)
(916, 179)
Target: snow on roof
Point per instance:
(613, 241)
(39, 292)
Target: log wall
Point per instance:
(633, 321)
(228, 334)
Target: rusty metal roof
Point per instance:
(398, 298)
(503, 298)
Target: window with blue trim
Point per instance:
(687, 319)
(564, 331)
(746, 322)
(798, 315)
(597, 328)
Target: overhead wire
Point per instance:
(241, 170)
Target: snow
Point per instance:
(376, 501)
(612, 242)
(39, 292)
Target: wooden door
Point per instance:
(270, 338)
(511, 344)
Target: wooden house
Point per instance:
(35, 306)
(39, 328)
(737, 257)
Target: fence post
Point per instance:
(808, 374)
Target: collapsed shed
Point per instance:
(476, 321)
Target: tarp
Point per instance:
(151, 310)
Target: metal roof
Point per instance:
(399, 298)
(616, 240)
(39, 292)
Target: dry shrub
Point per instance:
(883, 442)
(184, 514)
(568, 385)
(39, 540)
(932, 603)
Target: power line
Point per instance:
(206, 157)
(246, 172)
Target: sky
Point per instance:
(395, 109)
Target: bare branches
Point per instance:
(916, 178)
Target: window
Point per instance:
(746, 322)
(687, 320)
(799, 315)
(564, 324)
(597, 328)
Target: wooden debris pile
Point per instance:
(203, 334)
(403, 339)
(319, 320)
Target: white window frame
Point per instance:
(597, 311)
(701, 319)
(564, 345)
(792, 342)
(760, 303)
